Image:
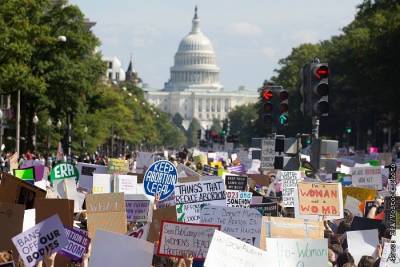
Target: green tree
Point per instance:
(216, 125)
(242, 121)
(191, 133)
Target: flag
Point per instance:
(60, 152)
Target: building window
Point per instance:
(117, 76)
(200, 116)
(208, 105)
(200, 105)
(110, 65)
(226, 105)
(110, 75)
(219, 105)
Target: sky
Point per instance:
(249, 36)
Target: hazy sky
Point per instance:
(249, 36)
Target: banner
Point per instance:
(78, 244)
(227, 251)
(63, 171)
(45, 237)
(297, 252)
(266, 209)
(317, 200)
(160, 179)
(244, 224)
(11, 222)
(190, 197)
(367, 177)
(238, 183)
(236, 199)
(289, 186)
(86, 171)
(181, 239)
(138, 208)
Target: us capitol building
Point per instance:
(194, 90)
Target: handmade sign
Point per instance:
(46, 237)
(106, 212)
(190, 197)
(181, 239)
(63, 171)
(128, 251)
(119, 166)
(238, 183)
(367, 177)
(144, 160)
(298, 252)
(353, 205)
(244, 224)
(27, 174)
(317, 200)
(289, 181)
(64, 208)
(238, 199)
(168, 213)
(77, 246)
(11, 221)
(227, 251)
(362, 194)
(125, 184)
(101, 183)
(362, 243)
(141, 233)
(208, 170)
(138, 208)
(266, 209)
(267, 154)
(86, 171)
(160, 179)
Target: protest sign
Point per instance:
(236, 182)
(367, 177)
(27, 174)
(353, 205)
(315, 200)
(362, 243)
(244, 224)
(29, 219)
(15, 190)
(184, 171)
(168, 213)
(390, 255)
(141, 233)
(63, 171)
(361, 223)
(38, 167)
(144, 160)
(208, 170)
(227, 251)
(64, 208)
(361, 194)
(78, 244)
(128, 251)
(11, 221)
(138, 208)
(297, 252)
(86, 171)
(238, 199)
(289, 186)
(266, 209)
(125, 184)
(45, 237)
(267, 153)
(368, 204)
(106, 212)
(190, 197)
(260, 179)
(119, 166)
(101, 183)
(160, 178)
(181, 239)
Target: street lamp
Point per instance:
(48, 123)
(35, 121)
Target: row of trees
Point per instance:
(47, 53)
(364, 93)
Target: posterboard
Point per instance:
(244, 224)
(51, 235)
(101, 183)
(267, 154)
(361, 194)
(353, 205)
(11, 222)
(106, 212)
(127, 251)
(317, 200)
(160, 178)
(190, 197)
(367, 177)
(168, 213)
(125, 184)
(227, 251)
(138, 208)
(26, 174)
(86, 171)
(289, 186)
(298, 252)
(362, 243)
(179, 239)
(119, 166)
(237, 199)
(63, 171)
(266, 209)
(78, 244)
(64, 208)
(238, 183)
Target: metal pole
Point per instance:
(1, 122)
(17, 137)
(316, 144)
(69, 134)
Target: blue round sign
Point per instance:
(160, 178)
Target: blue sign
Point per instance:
(160, 178)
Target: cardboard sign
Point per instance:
(238, 183)
(227, 251)
(47, 236)
(106, 212)
(63, 171)
(15, 190)
(11, 221)
(160, 179)
(289, 186)
(244, 224)
(125, 184)
(362, 243)
(181, 239)
(128, 251)
(86, 171)
(168, 213)
(297, 252)
(314, 200)
(266, 209)
(236, 199)
(141, 233)
(101, 183)
(27, 174)
(77, 246)
(138, 208)
(367, 177)
(119, 166)
(64, 208)
(190, 197)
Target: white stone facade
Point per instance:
(114, 69)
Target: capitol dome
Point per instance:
(195, 65)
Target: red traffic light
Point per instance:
(322, 72)
(267, 94)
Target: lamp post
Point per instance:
(35, 121)
(59, 124)
(48, 123)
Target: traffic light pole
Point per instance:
(315, 145)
